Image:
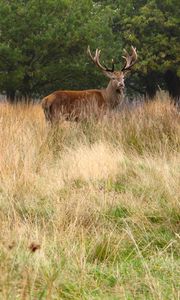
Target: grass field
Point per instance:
(90, 210)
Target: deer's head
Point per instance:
(117, 77)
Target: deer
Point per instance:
(70, 103)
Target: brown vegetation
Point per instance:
(100, 199)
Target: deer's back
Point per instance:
(72, 102)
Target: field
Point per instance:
(90, 210)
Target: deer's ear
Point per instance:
(108, 74)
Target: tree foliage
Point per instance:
(43, 44)
(153, 26)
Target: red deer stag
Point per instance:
(71, 103)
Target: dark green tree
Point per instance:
(43, 45)
(152, 26)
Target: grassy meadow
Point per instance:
(90, 210)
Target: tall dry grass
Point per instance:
(90, 210)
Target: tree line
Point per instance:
(43, 44)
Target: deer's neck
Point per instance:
(113, 97)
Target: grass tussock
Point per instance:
(90, 210)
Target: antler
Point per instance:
(96, 61)
(130, 59)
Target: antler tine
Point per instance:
(89, 52)
(130, 59)
(134, 51)
(96, 61)
(97, 55)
